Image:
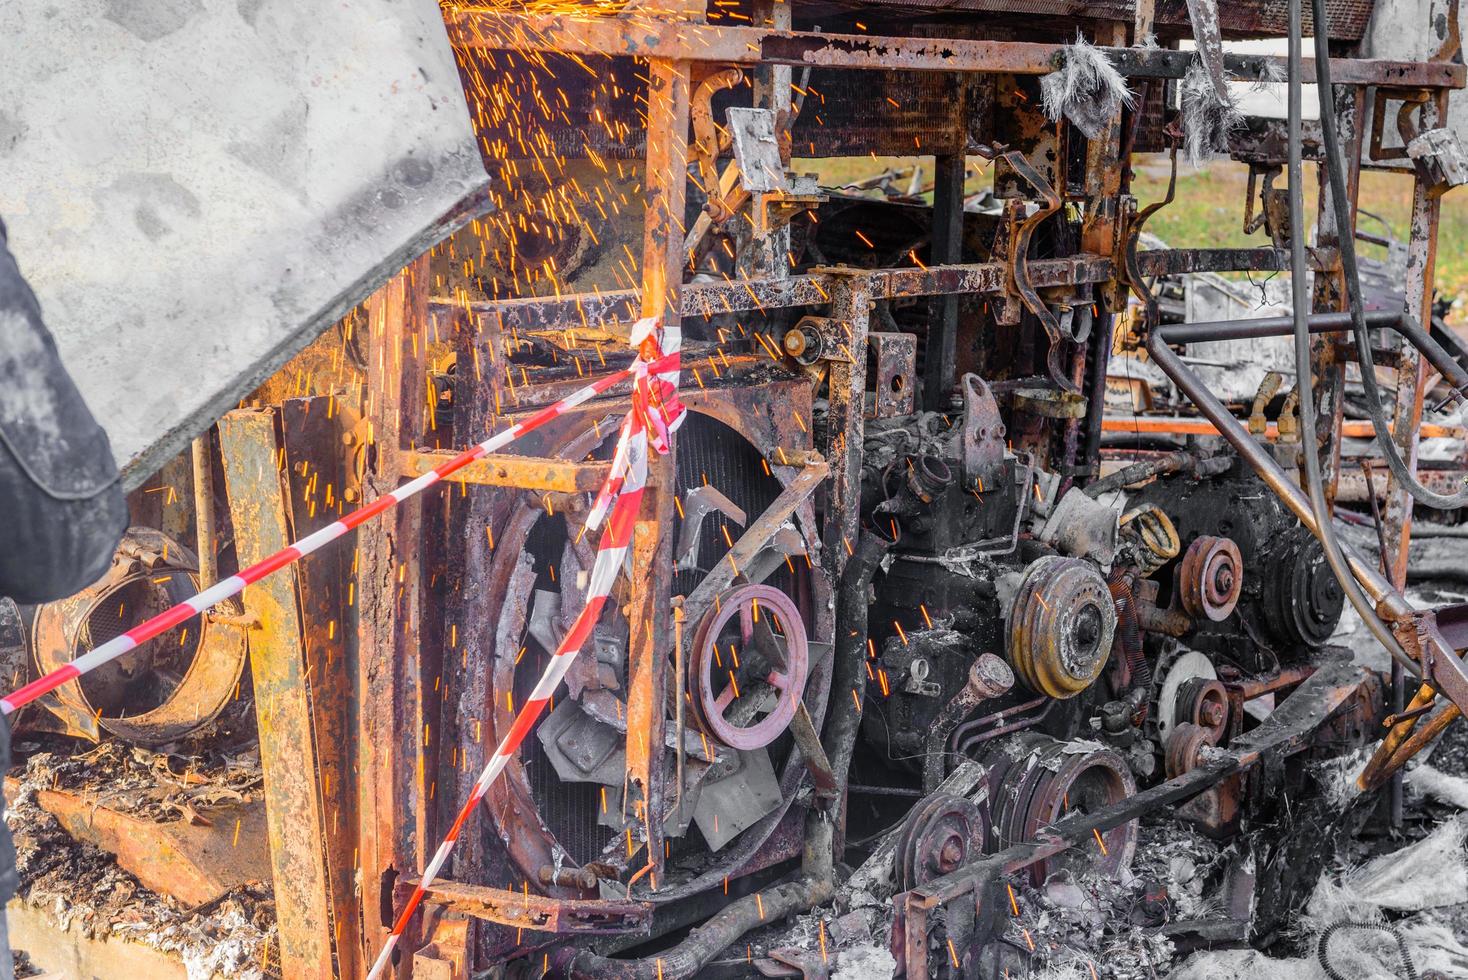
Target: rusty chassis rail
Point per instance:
(611, 310)
(643, 37)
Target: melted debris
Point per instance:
(80, 886)
(157, 786)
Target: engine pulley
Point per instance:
(1211, 577)
(941, 835)
(1061, 626)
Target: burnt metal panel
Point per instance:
(1270, 18)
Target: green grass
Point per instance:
(1208, 210)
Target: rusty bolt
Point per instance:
(348, 439)
(349, 494)
(951, 853)
(1211, 713)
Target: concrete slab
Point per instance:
(196, 188)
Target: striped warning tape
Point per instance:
(235, 584)
(655, 412)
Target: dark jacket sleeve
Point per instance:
(62, 510)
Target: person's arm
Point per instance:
(62, 509)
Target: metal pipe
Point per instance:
(204, 510)
(1390, 602)
(1282, 326)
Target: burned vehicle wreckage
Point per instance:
(916, 618)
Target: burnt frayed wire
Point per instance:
(1086, 88)
(1208, 118)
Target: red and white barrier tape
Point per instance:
(235, 584)
(656, 411)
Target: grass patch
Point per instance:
(1208, 211)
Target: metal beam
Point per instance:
(295, 811)
(516, 472)
(645, 37)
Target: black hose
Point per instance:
(1309, 447)
(843, 718)
(1341, 204)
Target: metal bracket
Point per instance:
(1019, 266)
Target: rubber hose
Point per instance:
(1300, 305)
(1341, 205)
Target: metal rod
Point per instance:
(204, 511)
(1390, 603)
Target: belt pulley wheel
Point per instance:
(1203, 702)
(748, 666)
(1061, 626)
(941, 835)
(1057, 780)
(1210, 578)
(1184, 750)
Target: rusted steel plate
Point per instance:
(249, 444)
(648, 38)
(519, 472)
(541, 914)
(193, 863)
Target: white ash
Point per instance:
(1088, 926)
(1086, 88)
(1430, 782)
(867, 961)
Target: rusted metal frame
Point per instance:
(946, 248)
(1181, 261)
(395, 825)
(295, 805)
(520, 910)
(666, 39)
(519, 472)
(610, 311)
(649, 619)
(1327, 363)
(319, 479)
(1412, 372)
(1287, 732)
(851, 305)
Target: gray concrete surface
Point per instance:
(196, 188)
